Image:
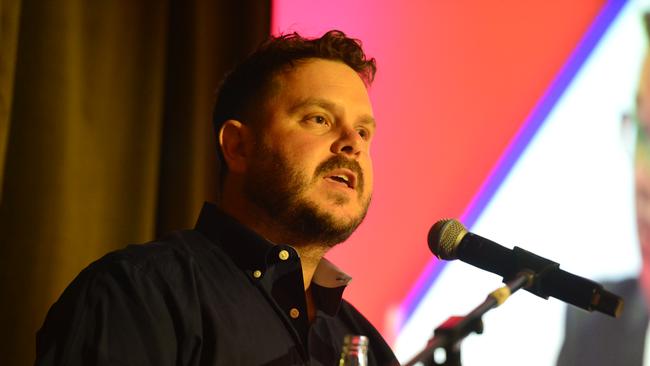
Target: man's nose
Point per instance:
(349, 143)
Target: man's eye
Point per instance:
(363, 133)
(319, 119)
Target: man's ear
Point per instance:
(234, 138)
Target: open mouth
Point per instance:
(343, 177)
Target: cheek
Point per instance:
(368, 175)
(304, 158)
(310, 151)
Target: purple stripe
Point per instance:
(519, 143)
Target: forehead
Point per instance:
(324, 80)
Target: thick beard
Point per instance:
(278, 189)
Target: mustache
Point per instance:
(339, 162)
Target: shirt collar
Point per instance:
(244, 246)
(251, 253)
(330, 276)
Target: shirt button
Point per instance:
(257, 273)
(294, 313)
(284, 255)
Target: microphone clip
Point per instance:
(531, 262)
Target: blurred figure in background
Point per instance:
(596, 339)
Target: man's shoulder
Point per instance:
(140, 289)
(162, 268)
(624, 288)
(164, 259)
(628, 290)
(633, 310)
(592, 338)
(174, 247)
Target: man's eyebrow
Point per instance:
(369, 120)
(310, 102)
(330, 106)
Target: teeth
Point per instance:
(342, 177)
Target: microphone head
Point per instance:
(444, 238)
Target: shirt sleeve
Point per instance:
(111, 314)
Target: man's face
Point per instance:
(311, 169)
(642, 164)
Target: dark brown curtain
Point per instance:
(105, 135)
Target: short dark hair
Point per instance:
(249, 82)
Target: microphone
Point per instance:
(449, 239)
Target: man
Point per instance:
(249, 285)
(595, 339)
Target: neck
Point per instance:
(234, 203)
(310, 257)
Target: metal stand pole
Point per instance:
(451, 333)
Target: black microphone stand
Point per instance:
(449, 335)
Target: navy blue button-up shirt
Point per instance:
(216, 295)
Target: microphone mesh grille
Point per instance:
(444, 237)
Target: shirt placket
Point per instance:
(283, 284)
